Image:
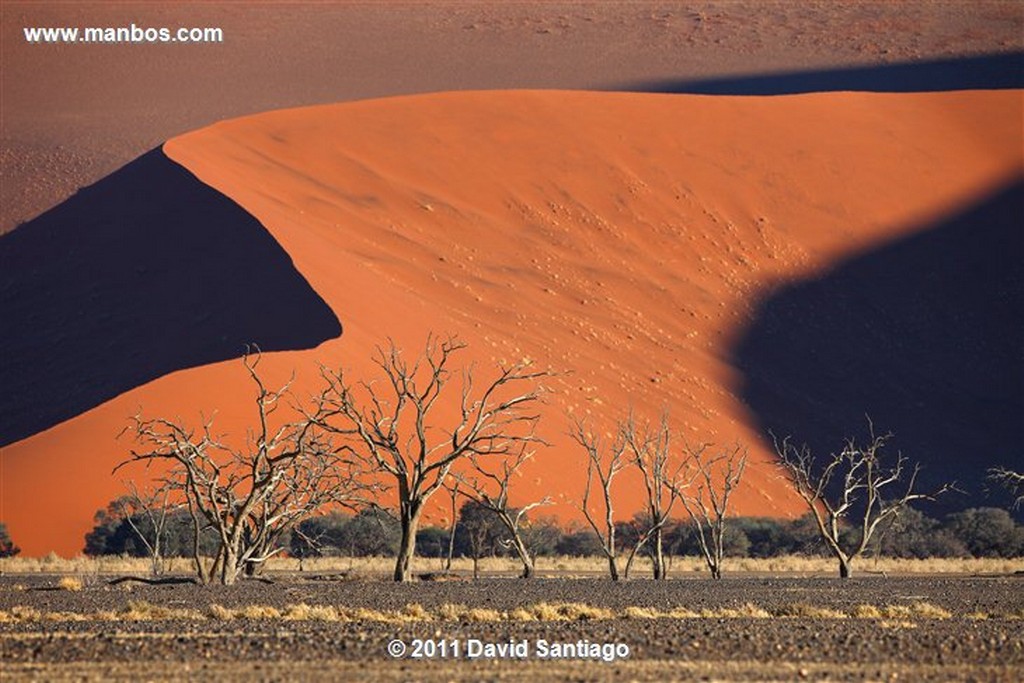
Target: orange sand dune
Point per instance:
(622, 239)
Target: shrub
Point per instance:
(987, 532)
(7, 547)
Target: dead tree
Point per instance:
(153, 506)
(649, 449)
(705, 496)
(392, 426)
(851, 487)
(1011, 481)
(488, 485)
(250, 496)
(603, 462)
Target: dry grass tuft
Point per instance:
(449, 612)
(140, 610)
(927, 610)
(897, 612)
(806, 611)
(642, 613)
(65, 616)
(416, 612)
(304, 612)
(221, 613)
(867, 612)
(568, 611)
(745, 611)
(260, 612)
(70, 583)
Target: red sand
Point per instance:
(620, 238)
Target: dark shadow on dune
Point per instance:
(146, 272)
(985, 72)
(925, 335)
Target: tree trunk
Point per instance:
(613, 569)
(629, 566)
(844, 568)
(451, 549)
(716, 571)
(658, 558)
(524, 557)
(229, 569)
(410, 513)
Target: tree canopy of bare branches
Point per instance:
(250, 495)
(711, 481)
(650, 451)
(604, 462)
(393, 425)
(853, 486)
(1011, 481)
(152, 506)
(489, 484)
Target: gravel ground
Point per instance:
(960, 647)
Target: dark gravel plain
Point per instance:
(961, 647)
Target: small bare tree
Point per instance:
(249, 496)
(393, 429)
(649, 448)
(604, 463)
(488, 485)
(1011, 481)
(705, 495)
(152, 506)
(852, 486)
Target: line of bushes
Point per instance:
(977, 532)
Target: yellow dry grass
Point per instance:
(70, 583)
(355, 568)
(806, 611)
(888, 616)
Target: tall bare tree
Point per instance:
(650, 451)
(250, 495)
(852, 486)
(488, 484)
(1011, 481)
(604, 462)
(705, 494)
(394, 426)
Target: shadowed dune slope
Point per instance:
(925, 335)
(979, 72)
(144, 273)
(628, 240)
